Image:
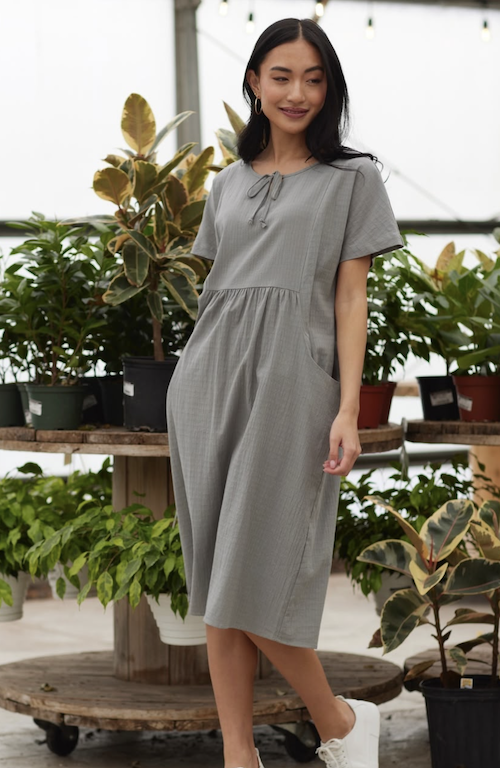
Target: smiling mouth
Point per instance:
(294, 112)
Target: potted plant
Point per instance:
(159, 209)
(462, 712)
(51, 302)
(455, 309)
(361, 522)
(25, 518)
(128, 554)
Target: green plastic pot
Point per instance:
(55, 407)
(11, 409)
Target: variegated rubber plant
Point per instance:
(159, 209)
(456, 554)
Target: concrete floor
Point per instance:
(54, 626)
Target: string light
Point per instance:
(320, 9)
(223, 7)
(370, 29)
(250, 23)
(486, 31)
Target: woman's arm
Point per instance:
(351, 321)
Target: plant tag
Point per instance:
(465, 402)
(89, 401)
(443, 397)
(467, 682)
(128, 388)
(35, 407)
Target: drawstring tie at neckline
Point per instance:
(272, 183)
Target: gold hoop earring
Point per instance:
(258, 111)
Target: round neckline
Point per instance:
(284, 175)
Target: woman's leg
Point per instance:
(302, 669)
(232, 659)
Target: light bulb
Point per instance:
(223, 7)
(320, 9)
(250, 24)
(370, 30)
(486, 31)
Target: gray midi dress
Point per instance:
(255, 392)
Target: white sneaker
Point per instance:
(359, 749)
(258, 758)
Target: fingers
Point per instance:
(335, 466)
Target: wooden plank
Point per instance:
(388, 437)
(455, 432)
(86, 448)
(121, 437)
(59, 436)
(25, 434)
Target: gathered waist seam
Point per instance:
(251, 288)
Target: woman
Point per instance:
(260, 430)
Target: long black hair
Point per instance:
(325, 134)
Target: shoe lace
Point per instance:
(334, 754)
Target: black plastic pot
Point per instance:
(11, 409)
(92, 402)
(56, 407)
(112, 399)
(145, 383)
(439, 398)
(463, 724)
(23, 392)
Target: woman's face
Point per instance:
(291, 85)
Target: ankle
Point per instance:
(340, 724)
(242, 757)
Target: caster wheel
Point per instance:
(301, 740)
(61, 739)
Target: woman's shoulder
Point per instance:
(355, 162)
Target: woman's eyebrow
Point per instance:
(310, 69)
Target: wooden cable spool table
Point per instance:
(145, 684)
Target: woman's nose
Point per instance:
(296, 92)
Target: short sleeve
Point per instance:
(371, 227)
(205, 243)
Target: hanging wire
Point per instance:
(486, 31)
(223, 7)
(370, 29)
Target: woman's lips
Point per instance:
(294, 113)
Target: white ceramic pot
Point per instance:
(19, 587)
(392, 581)
(71, 591)
(173, 629)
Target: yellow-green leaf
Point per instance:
(183, 292)
(116, 243)
(191, 214)
(105, 588)
(135, 262)
(145, 245)
(446, 528)
(113, 185)
(145, 180)
(474, 576)
(486, 540)
(115, 160)
(119, 290)
(400, 615)
(394, 554)
(166, 169)
(184, 269)
(196, 175)
(138, 124)
(425, 581)
(176, 194)
(135, 592)
(237, 123)
(409, 530)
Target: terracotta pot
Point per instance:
(390, 386)
(372, 400)
(478, 397)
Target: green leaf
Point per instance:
(135, 262)
(155, 305)
(145, 245)
(425, 581)
(171, 126)
(446, 528)
(183, 292)
(176, 195)
(78, 564)
(166, 169)
(135, 593)
(132, 568)
(145, 180)
(84, 592)
(169, 565)
(191, 214)
(138, 124)
(30, 468)
(400, 615)
(485, 538)
(105, 588)
(459, 658)
(468, 616)
(408, 529)
(6, 593)
(61, 587)
(237, 123)
(197, 173)
(391, 553)
(113, 185)
(473, 577)
(119, 290)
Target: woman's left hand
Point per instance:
(343, 434)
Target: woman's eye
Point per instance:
(316, 81)
(278, 79)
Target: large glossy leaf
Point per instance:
(425, 581)
(469, 616)
(459, 658)
(184, 269)
(486, 540)
(489, 513)
(409, 530)
(114, 160)
(237, 123)
(138, 124)
(155, 305)
(135, 262)
(113, 185)
(119, 290)
(176, 195)
(227, 143)
(476, 358)
(166, 169)
(105, 588)
(197, 174)
(145, 245)
(400, 615)
(116, 243)
(445, 529)
(145, 180)
(474, 576)
(171, 126)
(392, 553)
(183, 292)
(191, 215)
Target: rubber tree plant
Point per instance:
(158, 209)
(443, 571)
